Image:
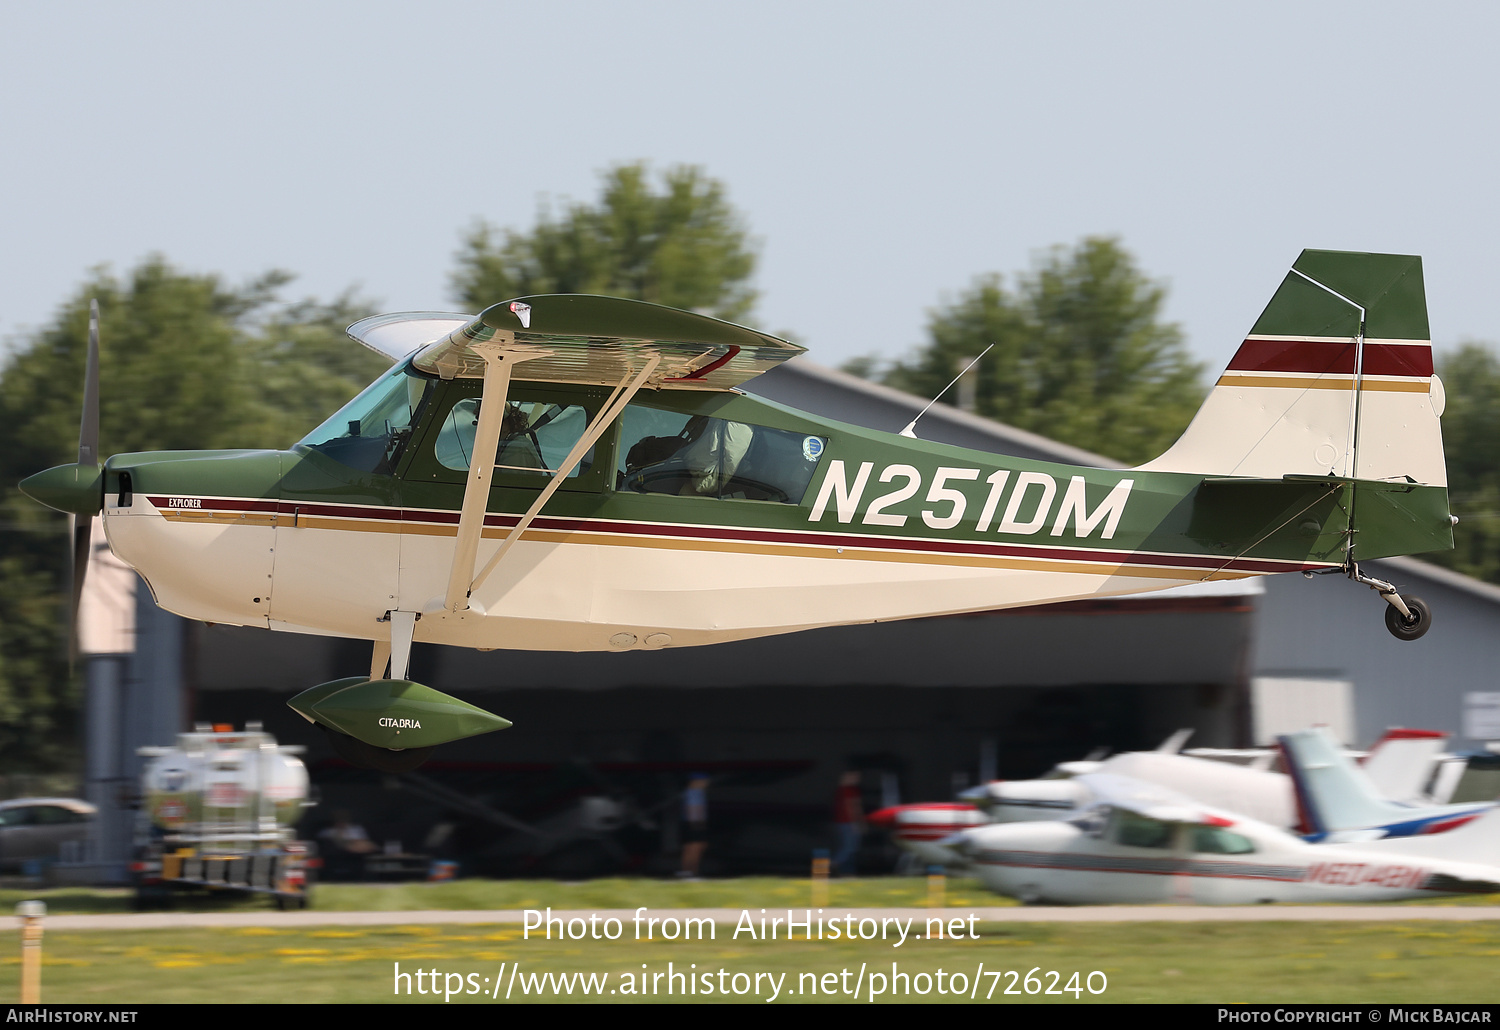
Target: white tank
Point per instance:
(226, 785)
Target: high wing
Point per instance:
(1262, 795)
(569, 338)
(403, 333)
(1148, 800)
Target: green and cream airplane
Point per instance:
(582, 473)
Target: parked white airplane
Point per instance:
(1258, 793)
(1338, 801)
(1144, 844)
(1404, 765)
(1403, 759)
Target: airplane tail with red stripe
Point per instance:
(1334, 380)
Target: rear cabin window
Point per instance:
(22, 816)
(49, 814)
(669, 452)
(535, 437)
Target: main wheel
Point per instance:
(1403, 628)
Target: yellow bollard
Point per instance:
(936, 887)
(31, 913)
(820, 878)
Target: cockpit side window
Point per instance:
(370, 432)
(1137, 831)
(671, 452)
(1216, 840)
(535, 437)
(1092, 822)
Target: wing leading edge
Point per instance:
(599, 340)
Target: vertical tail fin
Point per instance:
(1332, 793)
(1336, 797)
(1334, 380)
(1401, 763)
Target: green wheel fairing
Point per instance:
(394, 714)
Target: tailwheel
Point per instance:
(1412, 625)
(1406, 617)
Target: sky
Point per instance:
(882, 154)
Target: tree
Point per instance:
(1471, 444)
(186, 361)
(682, 246)
(1081, 354)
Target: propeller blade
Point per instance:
(88, 425)
(82, 531)
(81, 526)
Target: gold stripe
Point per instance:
(546, 536)
(865, 554)
(1398, 386)
(223, 518)
(1305, 383)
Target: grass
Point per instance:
(1375, 962)
(1366, 962)
(745, 892)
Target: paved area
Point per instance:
(1040, 914)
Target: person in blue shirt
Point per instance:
(694, 825)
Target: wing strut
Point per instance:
(499, 355)
(611, 410)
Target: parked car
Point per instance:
(35, 829)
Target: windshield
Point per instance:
(370, 431)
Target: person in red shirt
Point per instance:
(848, 822)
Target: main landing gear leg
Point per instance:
(403, 627)
(1407, 617)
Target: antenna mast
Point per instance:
(911, 426)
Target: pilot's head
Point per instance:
(514, 422)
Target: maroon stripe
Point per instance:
(1293, 356)
(1380, 359)
(712, 366)
(1289, 874)
(934, 834)
(885, 543)
(1388, 359)
(906, 544)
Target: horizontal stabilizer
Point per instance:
(1477, 840)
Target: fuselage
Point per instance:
(1125, 859)
(809, 523)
